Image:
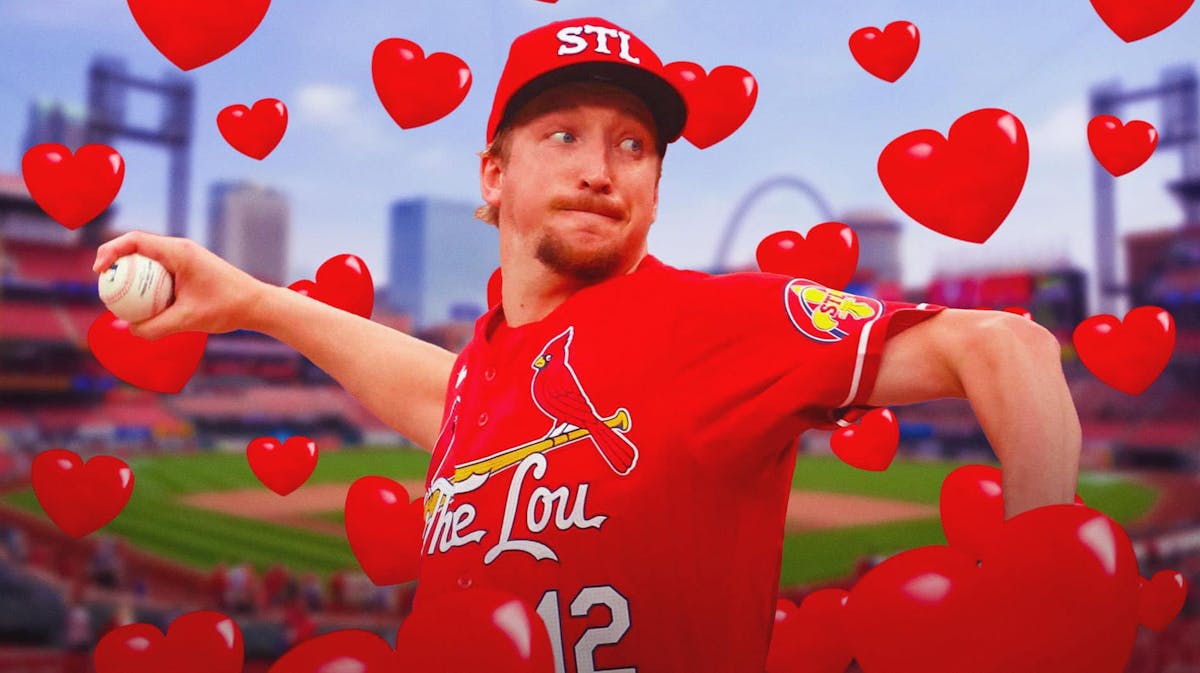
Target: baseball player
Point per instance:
(616, 444)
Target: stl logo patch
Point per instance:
(826, 315)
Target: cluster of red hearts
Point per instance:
(1056, 588)
(962, 185)
(492, 632)
(1053, 589)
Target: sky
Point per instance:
(819, 116)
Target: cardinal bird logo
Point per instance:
(558, 393)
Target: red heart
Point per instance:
(1056, 592)
(828, 255)
(384, 529)
(343, 650)
(128, 649)
(196, 642)
(964, 185)
(810, 639)
(282, 468)
(416, 90)
(80, 498)
(1127, 355)
(889, 54)
(1161, 599)
(1120, 149)
(505, 634)
(191, 33)
(972, 508)
(718, 103)
(164, 365)
(907, 614)
(72, 189)
(870, 445)
(254, 131)
(1134, 19)
(343, 281)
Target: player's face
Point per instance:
(579, 188)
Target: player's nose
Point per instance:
(595, 171)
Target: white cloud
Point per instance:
(1062, 133)
(327, 104)
(339, 112)
(92, 14)
(433, 159)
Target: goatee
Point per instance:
(586, 267)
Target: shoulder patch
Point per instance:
(826, 315)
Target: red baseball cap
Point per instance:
(588, 49)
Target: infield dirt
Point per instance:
(807, 510)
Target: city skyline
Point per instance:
(819, 117)
(439, 261)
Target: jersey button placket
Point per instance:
(490, 374)
(483, 419)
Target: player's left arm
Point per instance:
(1010, 370)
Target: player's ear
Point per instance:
(491, 178)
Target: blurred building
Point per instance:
(879, 268)
(1056, 297)
(878, 246)
(248, 225)
(54, 122)
(440, 260)
(1163, 268)
(22, 220)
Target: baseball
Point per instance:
(136, 287)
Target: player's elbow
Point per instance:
(999, 344)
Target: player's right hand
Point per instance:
(211, 295)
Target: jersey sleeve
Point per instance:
(770, 356)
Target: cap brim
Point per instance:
(663, 100)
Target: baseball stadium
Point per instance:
(201, 531)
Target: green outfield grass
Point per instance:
(154, 520)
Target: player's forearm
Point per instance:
(1015, 384)
(399, 378)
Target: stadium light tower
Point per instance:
(743, 206)
(108, 86)
(1180, 126)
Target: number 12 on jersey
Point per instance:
(589, 597)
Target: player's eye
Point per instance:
(563, 136)
(632, 144)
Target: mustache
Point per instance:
(592, 204)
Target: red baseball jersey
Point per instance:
(624, 463)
